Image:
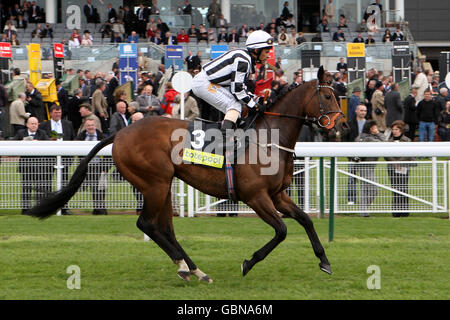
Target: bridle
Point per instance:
(329, 122)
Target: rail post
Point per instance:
(332, 191)
(59, 167)
(321, 191)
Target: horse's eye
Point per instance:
(328, 96)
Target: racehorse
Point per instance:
(142, 154)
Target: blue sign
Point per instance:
(174, 52)
(128, 71)
(218, 49)
(128, 50)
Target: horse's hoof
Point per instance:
(184, 275)
(206, 279)
(325, 268)
(245, 267)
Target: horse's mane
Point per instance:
(284, 93)
(290, 88)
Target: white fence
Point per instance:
(360, 187)
(29, 169)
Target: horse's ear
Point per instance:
(321, 74)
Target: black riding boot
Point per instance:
(227, 124)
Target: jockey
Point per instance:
(221, 83)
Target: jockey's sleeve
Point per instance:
(241, 69)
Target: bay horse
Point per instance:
(142, 154)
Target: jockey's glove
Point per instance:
(261, 108)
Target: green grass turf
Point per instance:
(115, 262)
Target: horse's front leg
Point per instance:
(265, 209)
(285, 205)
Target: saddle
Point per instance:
(204, 146)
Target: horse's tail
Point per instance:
(56, 200)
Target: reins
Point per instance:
(330, 121)
(329, 124)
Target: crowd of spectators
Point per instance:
(123, 24)
(97, 109)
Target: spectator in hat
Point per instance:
(86, 114)
(354, 101)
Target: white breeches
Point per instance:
(217, 96)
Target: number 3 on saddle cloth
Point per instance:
(204, 146)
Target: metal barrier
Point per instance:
(29, 169)
(359, 188)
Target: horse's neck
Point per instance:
(289, 128)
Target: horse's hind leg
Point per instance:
(285, 205)
(170, 236)
(265, 209)
(152, 222)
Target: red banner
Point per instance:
(58, 50)
(5, 50)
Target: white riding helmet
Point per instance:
(259, 39)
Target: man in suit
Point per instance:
(73, 108)
(148, 103)
(158, 76)
(118, 119)
(156, 39)
(88, 10)
(98, 168)
(222, 36)
(233, 37)
(133, 38)
(339, 36)
(142, 15)
(35, 173)
(394, 105)
(170, 39)
(59, 129)
(358, 39)
(111, 85)
(63, 98)
(34, 13)
(99, 103)
(129, 20)
(187, 9)
(356, 125)
(341, 66)
(189, 61)
(112, 14)
(35, 104)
